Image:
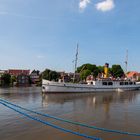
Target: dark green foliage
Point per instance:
(54, 75)
(84, 74)
(81, 68)
(6, 79)
(89, 69)
(86, 66)
(50, 75)
(45, 74)
(96, 72)
(13, 79)
(117, 71)
(100, 69)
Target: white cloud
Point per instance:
(83, 4)
(106, 5)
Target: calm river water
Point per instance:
(112, 110)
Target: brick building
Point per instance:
(16, 72)
(22, 76)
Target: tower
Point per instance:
(106, 74)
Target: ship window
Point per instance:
(104, 83)
(121, 83)
(134, 83)
(130, 83)
(126, 83)
(110, 83)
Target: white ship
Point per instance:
(100, 85)
(92, 86)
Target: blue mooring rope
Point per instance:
(50, 124)
(72, 122)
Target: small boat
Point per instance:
(101, 85)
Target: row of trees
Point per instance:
(7, 79)
(91, 69)
(84, 71)
(10, 80)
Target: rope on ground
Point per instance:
(72, 122)
(50, 124)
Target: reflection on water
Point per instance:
(111, 110)
(94, 100)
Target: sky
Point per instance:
(40, 34)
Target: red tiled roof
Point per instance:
(132, 73)
(17, 72)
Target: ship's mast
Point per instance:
(76, 59)
(126, 61)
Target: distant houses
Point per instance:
(34, 76)
(20, 77)
(17, 72)
(133, 75)
(69, 77)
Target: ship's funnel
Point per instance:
(106, 74)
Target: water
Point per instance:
(120, 111)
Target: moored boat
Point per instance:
(101, 85)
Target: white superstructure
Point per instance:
(92, 86)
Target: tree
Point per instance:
(13, 79)
(50, 75)
(89, 69)
(88, 66)
(6, 79)
(53, 75)
(117, 71)
(96, 72)
(101, 69)
(84, 74)
(45, 74)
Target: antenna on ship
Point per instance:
(76, 59)
(126, 61)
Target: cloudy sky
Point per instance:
(39, 34)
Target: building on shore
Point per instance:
(34, 76)
(133, 75)
(69, 77)
(23, 80)
(16, 72)
(22, 76)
